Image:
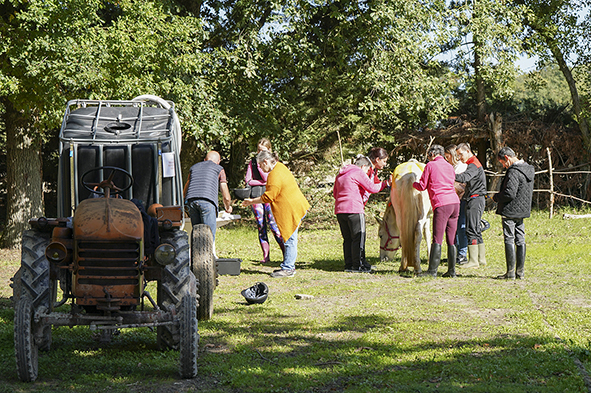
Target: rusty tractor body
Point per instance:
(91, 265)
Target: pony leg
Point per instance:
(403, 264)
(417, 261)
(427, 234)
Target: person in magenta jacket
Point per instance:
(349, 187)
(438, 179)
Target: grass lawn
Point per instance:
(359, 333)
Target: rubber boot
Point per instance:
(472, 257)
(451, 261)
(481, 255)
(510, 259)
(265, 247)
(434, 260)
(520, 259)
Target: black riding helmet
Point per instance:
(256, 294)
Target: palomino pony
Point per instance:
(406, 219)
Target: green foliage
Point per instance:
(542, 94)
(484, 44)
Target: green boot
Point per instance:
(473, 257)
(520, 259)
(434, 260)
(451, 261)
(481, 255)
(510, 259)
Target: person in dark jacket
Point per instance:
(474, 195)
(513, 205)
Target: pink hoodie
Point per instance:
(253, 182)
(438, 179)
(349, 187)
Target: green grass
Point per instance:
(360, 333)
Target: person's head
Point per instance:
(450, 154)
(506, 157)
(364, 163)
(434, 151)
(267, 160)
(378, 157)
(213, 156)
(464, 152)
(263, 144)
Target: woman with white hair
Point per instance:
(288, 204)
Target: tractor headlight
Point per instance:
(56, 252)
(165, 254)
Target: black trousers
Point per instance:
(474, 210)
(353, 231)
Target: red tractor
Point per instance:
(91, 265)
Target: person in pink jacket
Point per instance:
(438, 179)
(349, 187)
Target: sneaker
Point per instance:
(283, 273)
(462, 260)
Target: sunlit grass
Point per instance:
(359, 333)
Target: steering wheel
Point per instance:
(107, 185)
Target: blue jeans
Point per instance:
(461, 238)
(291, 252)
(203, 211)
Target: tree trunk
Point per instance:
(24, 180)
(581, 120)
(495, 129)
(480, 91)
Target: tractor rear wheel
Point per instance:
(32, 279)
(25, 347)
(189, 344)
(176, 282)
(203, 266)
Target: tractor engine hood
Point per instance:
(108, 219)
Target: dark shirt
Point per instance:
(474, 178)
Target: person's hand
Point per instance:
(246, 202)
(229, 209)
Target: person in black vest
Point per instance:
(205, 180)
(514, 204)
(474, 195)
(257, 178)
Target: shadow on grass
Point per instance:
(372, 352)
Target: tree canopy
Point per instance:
(303, 72)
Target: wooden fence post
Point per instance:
(551, 182)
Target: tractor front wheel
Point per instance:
(176, 282)
(32, 279)
(189, 344)
(203, 266)
(25, 347)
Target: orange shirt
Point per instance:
(288, 204)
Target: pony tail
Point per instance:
(410, 216)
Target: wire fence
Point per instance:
(551, 173)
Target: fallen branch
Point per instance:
(573, 216)
(264, 358)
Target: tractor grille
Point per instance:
(107, 270)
